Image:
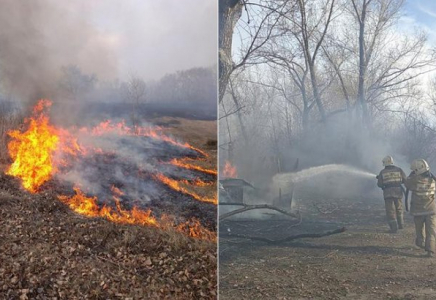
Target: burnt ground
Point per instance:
(203, 135)
(49, 252)
(364, 262)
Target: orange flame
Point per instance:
(196, 230)
(40, 150)
(107, 126)
(116, 191)
(198, 182)
(229, 171)
(175, 185)
(32, 150)
(88, 206)
(181, 163)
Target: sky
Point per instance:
(417, 13)
(420, 13)
(152, 38)
(111, 38)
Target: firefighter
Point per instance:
(390, 180)
(422, 183)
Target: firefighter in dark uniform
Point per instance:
(390, 180)
(422, 183)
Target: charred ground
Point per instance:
(365, 262)
(49, 251)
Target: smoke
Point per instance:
(335, 159)
(38, 37)
(307, 174)
(126, 161)
(327, 180)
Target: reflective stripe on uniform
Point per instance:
(424, 193)
(425, 189)
(424, 213)
(391, 177)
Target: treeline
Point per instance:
(196, 85)
(342, 81)
(193, 86)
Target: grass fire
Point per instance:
(42, 152)
(108, 150)
(80, 199)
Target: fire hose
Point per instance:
(406, 197)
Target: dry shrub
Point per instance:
(211, 143)
(8, 121)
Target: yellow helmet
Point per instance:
(419, 166)
(388, 161)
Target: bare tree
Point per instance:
(311, 39)
(296, 49)
(257, 29)
(297, 71)
(374, 19)
(311, 69)
(135, 94)
(75, 83)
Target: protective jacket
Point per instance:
(423, 188)
(390, 180)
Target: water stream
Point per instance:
(288, 178)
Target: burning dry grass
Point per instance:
(48, 251)
(180, 186)
(42, 149)
(88, 206)
(30, 151)
(183, 164)
(201, 134)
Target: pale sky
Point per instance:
(151, 38)
(418, 13)
(421, 13)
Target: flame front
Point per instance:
(88, 206)
(176, 185)
(182, 163)
(121, 128)
(42, 150)
(32, 151)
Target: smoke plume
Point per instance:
(38, 37)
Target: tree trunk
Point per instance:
(229, 13)
(238, 113)
(362, 69)
(310, 60)
(316, 92)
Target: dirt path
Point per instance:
(365, 262)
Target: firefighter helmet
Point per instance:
(388, 161)
(419, 166)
